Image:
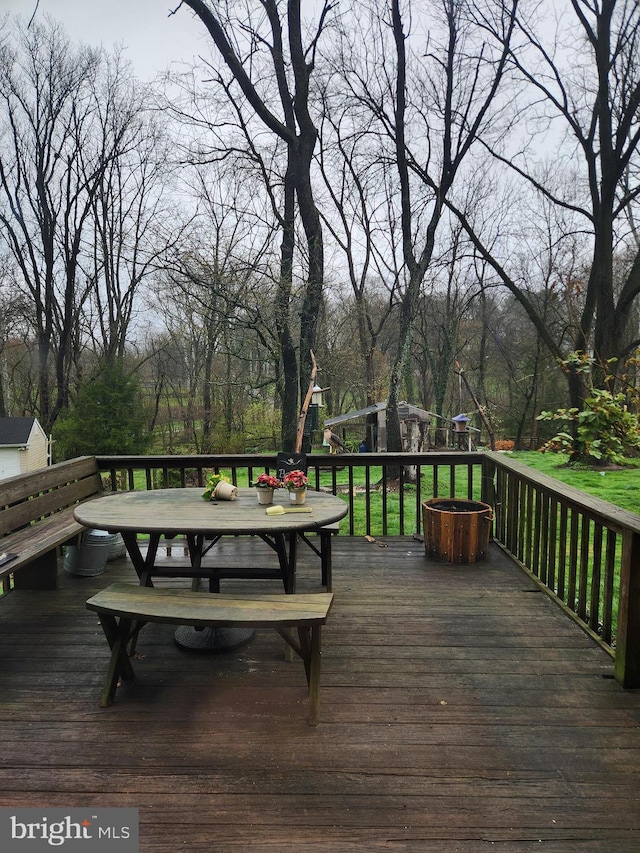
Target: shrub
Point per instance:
(604, 430)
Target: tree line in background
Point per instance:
(436, 199)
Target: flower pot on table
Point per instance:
(225, 491)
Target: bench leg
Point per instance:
(288, 560)
(324, 552)
(325, 559)
(41, 573)
(310, 646)
(118, 636)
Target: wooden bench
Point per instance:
(36, 518)
(123, 609)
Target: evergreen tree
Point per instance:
(107, 418)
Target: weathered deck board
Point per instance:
(461, 711)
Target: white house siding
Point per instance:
(22, 453)
(35, 456)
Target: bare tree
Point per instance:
(285, 112)
(439, 334)
(211, 290)
(360, 220)
(134, 227)
(585, 76)
(431, 103)
(14, 325)
(59, 135)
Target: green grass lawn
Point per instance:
(619, 486)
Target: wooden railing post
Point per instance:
(488, 484)
(627, 668)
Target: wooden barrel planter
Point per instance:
(456, 529)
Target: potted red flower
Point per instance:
(265, 486)
(297, 482)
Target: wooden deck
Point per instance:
(461, 711)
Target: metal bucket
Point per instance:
(91, 557)
(117, 548)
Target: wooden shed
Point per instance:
(369, 425)
(23, 446)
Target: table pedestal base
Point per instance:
(212, 640)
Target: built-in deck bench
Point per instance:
(36, 519)
(123, 609)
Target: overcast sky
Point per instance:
(152, 37)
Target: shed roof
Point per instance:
(359, 413)
(405, 410)
(15, 432)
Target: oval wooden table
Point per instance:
(162, 513)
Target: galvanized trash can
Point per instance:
(90, 558)
(117, 548)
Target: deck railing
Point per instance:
(384, 490)
(583, 551)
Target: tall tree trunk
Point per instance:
(297, 130)
(288, 356)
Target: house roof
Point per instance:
(15, 432)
